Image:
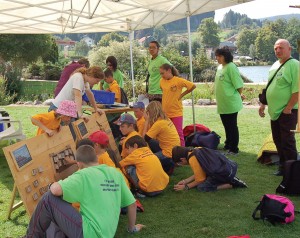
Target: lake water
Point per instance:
(258, 74)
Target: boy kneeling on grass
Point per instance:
(212, 170)
(144, 168)
(101, 192)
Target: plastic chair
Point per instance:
(12, 130)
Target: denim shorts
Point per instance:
(209, 185)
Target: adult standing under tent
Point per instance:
(112, 64)
(67, 71)
(282, 98)
(79, 83)
(153, 82)
(228, 89)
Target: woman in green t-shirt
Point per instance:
(228, 90)
(154, 91)
(112, 64)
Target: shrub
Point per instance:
(12, 83)
(5, 98)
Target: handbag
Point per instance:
(263, 95)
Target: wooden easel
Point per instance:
(12, 205)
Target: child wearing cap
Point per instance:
(100, 142)
(138, 110)
(164, 131)
(50, 122)
(144, 168)
(113, 85)
(171, 86)
(128, 129)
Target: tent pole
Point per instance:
(131, 37)
(191, 65)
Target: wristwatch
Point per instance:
(133, 231)
(186, 187)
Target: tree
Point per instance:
(160, 34)
(113, 36)
(52, 54)
(252, 52)
(21, 49)
(292, 33)
(81, 48)
(245, 39)
(209, 33)
(264, 44)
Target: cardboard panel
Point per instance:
(41, 160)
(32, 178)
(96, 122)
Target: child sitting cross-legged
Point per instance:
(49, 122)
(144, 168)
(209, 174)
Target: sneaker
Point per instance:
(139, 206)
(278, 173)
(139, 195)
(238, 183)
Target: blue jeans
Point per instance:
(167, 163)
(209, 185)
(53, 209)
(131, 172)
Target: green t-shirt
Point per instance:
(228, 79)
(118, 76)
(154, 79)
(282, 87)
(101, 192)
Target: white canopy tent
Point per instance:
(83, 16)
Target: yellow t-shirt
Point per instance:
(115, 88)
(165, 132)
(172, 90)
(49, 120)
(140, 125)
(124, 150)
(199, 173)
(151, 175)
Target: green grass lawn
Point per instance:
(187, 213)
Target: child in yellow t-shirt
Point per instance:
(199, 178)
(100, 143)
(128, 129)
(163, 130)
(171, 86)
(113, 85)
(144, 168)
(138, 110)
(50, 122)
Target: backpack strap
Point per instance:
(255, 211)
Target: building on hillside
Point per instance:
(62, 44)
(232, 47)
(89, 41)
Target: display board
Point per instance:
(41, 160)
(96, 122)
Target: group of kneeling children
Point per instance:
(150, 150)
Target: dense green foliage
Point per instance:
(233, 19)
(209, 33)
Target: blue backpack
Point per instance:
(215, 164)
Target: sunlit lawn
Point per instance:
(186, 213)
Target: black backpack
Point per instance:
(124, 98)
(291, 178)
(215, 164)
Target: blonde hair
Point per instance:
(155, 112)
(95, 72)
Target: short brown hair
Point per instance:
(86, 154)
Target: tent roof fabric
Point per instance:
(83, 16)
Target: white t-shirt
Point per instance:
(75, 82)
